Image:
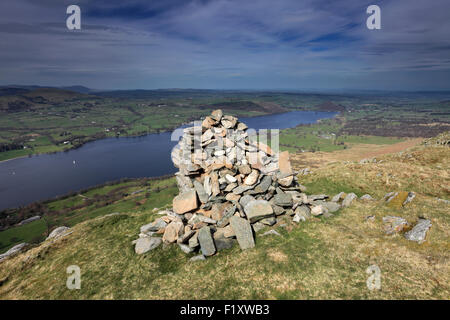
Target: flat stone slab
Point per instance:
(243, 231)
(283, 200)
(258, 209)
(419, 232)
(144, 245)
(13, 251)
(185, 202)
(206, 241)
(349, 199)
(331, 206)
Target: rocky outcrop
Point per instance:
(13, 251)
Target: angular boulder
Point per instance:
(243, 231)
(185, 202)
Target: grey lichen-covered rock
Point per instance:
(244, 200)
(26, 221)
(201, 193)
(367, 197)
(206, 241)
(338, 197)
(258, 226)
(185, 248)
(419, 232)
(144, 245)
(411, 196)
(269, 221)
(331, 206)
(58, 232)
(13, 251)
(283, 200)
(154, 226)
(318, 210)
(257, 210)
(394, 224)
(271, 232)
(349, 199)
(224, 243)
(243, 232)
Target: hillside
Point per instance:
(321, 258)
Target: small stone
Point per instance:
(258, 209)
(349, 199)
(57, 232)
(283, 200)
(367, 197)
(287, 181)
(284, 164)
(264, 185)
(419, 231)
(232, 197)
(340, 196)
(144, 245)
(258, 226)
(185, 202)
(202, 195)
(208, 122)
(297, 218)
(226, 217)
(317, 210)
(193, 241)
(271, 232)
(198, 258)
(228, 232)
(154, 226)
(230, 178)
(394, 224)
(269, 221)
(243, 231)
(13, 251)
(251, 178)
(246, 199)
(245, 169)
(277, 210)
(186, 249)
(411, 196)
(217, 115)
(223, 243)
(173, 231)
(331, 206)
(241, 189)
(206, 241)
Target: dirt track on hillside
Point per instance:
(356, 152)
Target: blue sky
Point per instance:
(227, 44)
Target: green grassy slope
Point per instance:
(321, 258)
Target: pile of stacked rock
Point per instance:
(231, 186)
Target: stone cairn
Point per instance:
(231, 186)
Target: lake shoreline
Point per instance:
(30, 180)
(128, 136)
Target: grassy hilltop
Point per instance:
(320, 258)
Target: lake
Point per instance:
(41, 177)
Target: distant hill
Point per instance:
(246, 105)
(329, 106)
(17, 89)
(20, 99)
